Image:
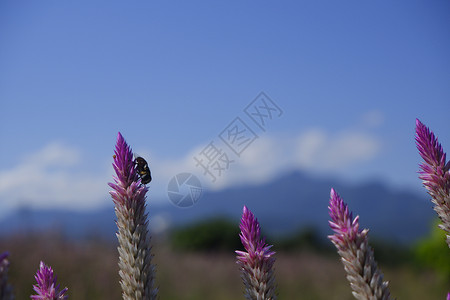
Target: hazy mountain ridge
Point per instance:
(282, 206)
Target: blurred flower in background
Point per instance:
(46, 287)
(365, 278)
(435, 173)
(5, 288)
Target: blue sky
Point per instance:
(350, 78)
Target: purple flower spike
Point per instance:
(357, 256)
(448, 296)
(135, 268)
(5, 288)
(435, 173)
(255, 264)
(46, 287)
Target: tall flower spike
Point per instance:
(257, 263)
(46, 287)
(434, 172)
(352, 244)
(135, 268)
(5, 288)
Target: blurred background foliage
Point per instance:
(208, 235)
(198, 262)
(433, 252)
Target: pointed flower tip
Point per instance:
(335, 200)
(119, 138)
(248, 216)
(46, 287)
(341, 216)
(332, 193)
(418, 123)
(420, 128)
(121, 144)
(257, 260)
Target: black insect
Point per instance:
(143, 170)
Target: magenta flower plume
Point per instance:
(46, 287)
(135, 268)
(5, 288)
(435, 173)
(366, 280)
(257, 262)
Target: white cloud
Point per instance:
(265, 158)
(318, 151)
(49, 178)
(52, 177)
(313, 150)
(308, 147)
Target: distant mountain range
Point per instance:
(282, 206)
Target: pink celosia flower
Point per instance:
(46, 287)
(136, 270)
(435, 173)
(5, 288)
(257, 262)
(357, 256)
